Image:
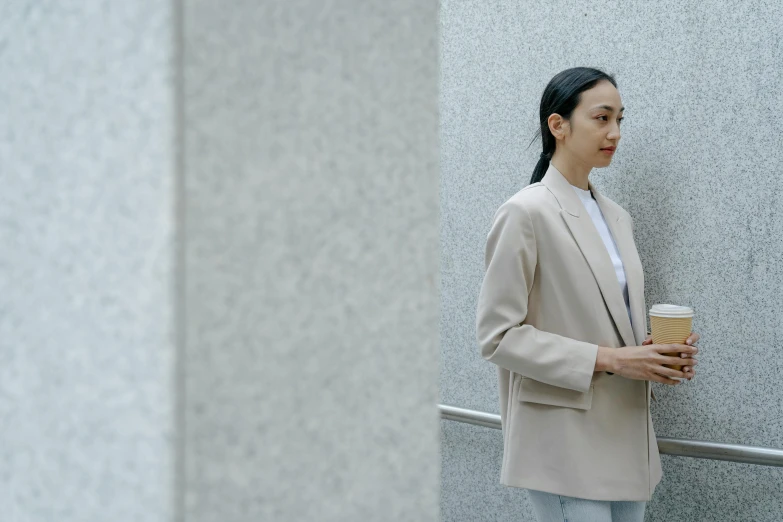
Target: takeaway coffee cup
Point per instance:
(671, 324)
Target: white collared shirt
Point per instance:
(600, 223)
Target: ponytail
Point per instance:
(541, 167)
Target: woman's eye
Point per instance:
(620, 120)
(604, 118)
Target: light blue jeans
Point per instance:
(557, 508)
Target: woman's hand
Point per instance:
(686, 367)
(649, 362)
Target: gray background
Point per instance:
(699, 170)
(87, 340)
(311, 155)
(218, 261)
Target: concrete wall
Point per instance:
(218, 261)
(699, 170)
(312, 230)
(87, 339)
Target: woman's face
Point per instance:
(593, 132)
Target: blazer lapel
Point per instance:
(592, 246)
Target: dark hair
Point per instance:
(561, 96)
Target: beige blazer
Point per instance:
(549, 298)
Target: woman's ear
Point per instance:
(557, 126)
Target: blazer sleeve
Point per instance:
(504, 338)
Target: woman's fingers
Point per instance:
(647, 341)
(683, 349)
(671, 373)
(676, 361)
(692, 339)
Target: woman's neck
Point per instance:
(575, 172)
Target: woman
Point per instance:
(562, 314)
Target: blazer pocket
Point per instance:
(538, 392)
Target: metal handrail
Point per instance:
(678, 447)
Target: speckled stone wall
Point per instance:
(698, 168)
(219, 261)
(312, 230)
(87, 229)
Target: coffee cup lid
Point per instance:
(670, 310)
